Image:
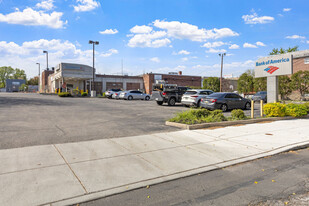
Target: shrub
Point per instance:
(197, 116)
(307, 106)
(75, 92)
(84, 94)
(296, 110)
(64, 94)
(275, 110)
(238, 114)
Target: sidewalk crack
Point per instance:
(71, 169)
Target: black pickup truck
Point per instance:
(167, 93)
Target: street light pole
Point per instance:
(221, 55)
(39, 76)
(46, 52)
(93, 43)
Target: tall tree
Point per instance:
(5, 73)
(212, 83)
(260, 84)
(19, 74)
(33, 81)
(284, 86)
(300, 82)
(276, 51)
(245, 83)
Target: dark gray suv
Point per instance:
(225, 101)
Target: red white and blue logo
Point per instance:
(271, 69)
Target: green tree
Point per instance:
(23, 87)
(300, 82)
(260, 84)
(276, 51)
(19, 74)
(284, 86)
(33, 81)
(245, 83)
(212, 83)
(5, 73)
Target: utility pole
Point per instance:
(39, 77)
(93, 43)
(221, 55)
(46, 52)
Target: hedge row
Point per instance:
(282, 110)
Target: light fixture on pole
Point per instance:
(39, 76)
(221, 55)
(93, 43)
(46, 52)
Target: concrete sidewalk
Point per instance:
(64, 174)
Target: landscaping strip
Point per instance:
(227, 123)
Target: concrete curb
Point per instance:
(227, 123)
(158, 180)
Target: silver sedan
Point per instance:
(193, 97)
(134, 94)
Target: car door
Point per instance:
(139, 95)
(237, 101)
(230, 101)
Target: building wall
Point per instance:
(299, 64)
(44, 80)
(180, 80)
(12, 85)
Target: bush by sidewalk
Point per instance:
(198, 116)
(64, 94)
(238, 114)
(282, 110)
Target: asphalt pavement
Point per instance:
(34, 119)
(282, 179)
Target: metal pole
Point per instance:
(93, 66)
(221, 72)
(39, 78)
(47, 59)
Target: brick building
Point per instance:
(44, 80)
(300, 61)
(179, 79)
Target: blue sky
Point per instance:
(150, 35)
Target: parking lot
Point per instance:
(33, 119)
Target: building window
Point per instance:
(306, 60)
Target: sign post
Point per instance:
(272, 67)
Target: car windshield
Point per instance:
(115, 90)
(191, 92)
(216, 95)
(259, 93)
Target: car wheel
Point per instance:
(130, 97)
(199, 103)
(248, 106)
(159, 102)
(171, 102)
(224, 107)
(147, 98)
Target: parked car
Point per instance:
(225, 101)
(260, 96)
(116, 95)
(110, 92)
(134, 94)
(193, 97)
(168, 93)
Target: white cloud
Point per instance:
(110, 53)
(181, 30)
(184, 52)
(31, 17)
(307, 41)
(211, 50)
(155, 59)
(247, 45)
(185, 59)
(260, 43)
(295, 37)
(286, 9)
(141, 29)
(109, 31)
(26, 54)
(154, 39)
(234, 46)
(255, 19)
(45, 4)
(213, 44)
(86, 5)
